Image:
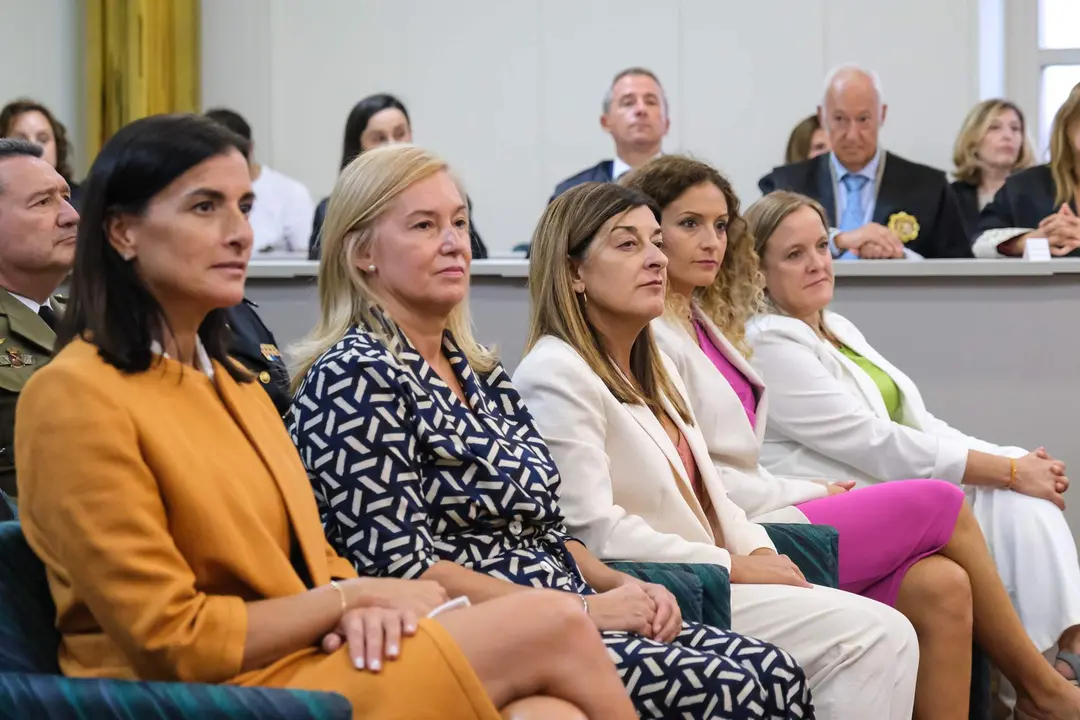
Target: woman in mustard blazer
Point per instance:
(178, 529)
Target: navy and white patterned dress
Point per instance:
(407, 476)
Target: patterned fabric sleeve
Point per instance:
(353, 425)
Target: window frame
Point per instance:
(1026, 62)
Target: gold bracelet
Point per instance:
(584, 603)
(341, 591)
(1012, 474)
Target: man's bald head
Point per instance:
(852, 112)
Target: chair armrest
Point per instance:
(814, 548)
(51, 697)
(703, 591)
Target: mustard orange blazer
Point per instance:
(161, 503)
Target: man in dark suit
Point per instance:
(879, 204)
(37, 248)
(636, 116)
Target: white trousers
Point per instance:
(1035, 555)
(860, 656)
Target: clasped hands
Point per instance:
(1062, 231)
(379, 613)
(872, 241)
(1040, 475)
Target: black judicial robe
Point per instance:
(918, 190)
(967, 195)
(600, 172)
(1024, 201)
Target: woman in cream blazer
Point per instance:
(839, 410)
(733, 443)
(637, 482)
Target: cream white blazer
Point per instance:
(827, 417)
(734, 445)
(624, 491)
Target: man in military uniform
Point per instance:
(37, 249)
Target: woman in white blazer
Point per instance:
(838, 409)
(636, 479)
(889, 533)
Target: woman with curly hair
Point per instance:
(917, 547)
(29, 120)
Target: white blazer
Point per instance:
(734, 445)
(827, 417)
(624, 490)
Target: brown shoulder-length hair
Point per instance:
(972, 132)
(564, 236)
(1063, 160)
(798, 144)
(737, 292)
(15, 108)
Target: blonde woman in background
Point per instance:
(1039, 202)
(427, 465)
(992, 145)
(839, 410)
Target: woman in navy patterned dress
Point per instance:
(426, 463)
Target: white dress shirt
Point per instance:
(282, 215)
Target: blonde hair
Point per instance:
(976, 125)
(1063, 165)
(765, 216)
(737, 293)
(564, 235)
(364, 191)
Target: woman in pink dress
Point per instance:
(913, 544)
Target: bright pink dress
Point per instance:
(884, 529)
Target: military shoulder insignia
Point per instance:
(17, 359)
(270, 352)
(905, 226)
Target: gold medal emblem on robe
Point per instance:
(905, 226)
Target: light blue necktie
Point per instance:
(854, 212)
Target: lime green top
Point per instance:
(890, 393)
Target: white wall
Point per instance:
(509, 92)
(41, 52)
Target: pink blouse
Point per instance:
(738, 382)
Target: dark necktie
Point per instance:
(47, 314)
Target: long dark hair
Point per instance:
(110, 305)
(15, 108)
(360, 116)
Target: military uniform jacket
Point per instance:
(26, 344)
(254, 346)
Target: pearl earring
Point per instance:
(371, 268)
